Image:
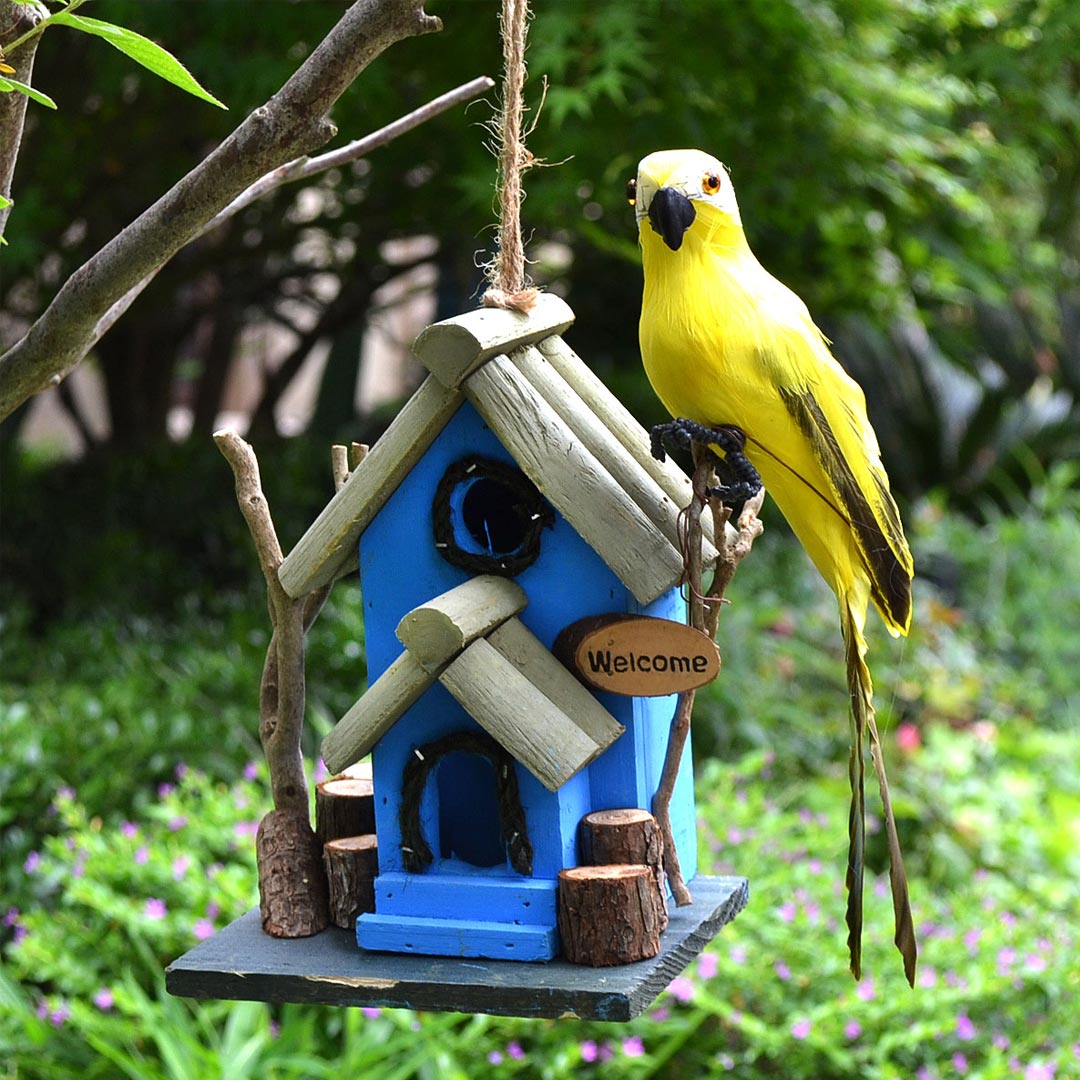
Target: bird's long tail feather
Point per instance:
(861, 691)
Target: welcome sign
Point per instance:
(638, 655)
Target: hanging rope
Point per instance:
(509, 285)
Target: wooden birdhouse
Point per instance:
(518, 546)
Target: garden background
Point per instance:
(913, 170)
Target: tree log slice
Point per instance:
(609, 914)
(352, 864)
(624, 836)
(344, 806)
(292, 882)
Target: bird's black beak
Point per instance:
(671, 213)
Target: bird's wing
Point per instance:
(829, 410)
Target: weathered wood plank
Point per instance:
(518, 715)
(454, 348)
(241, 963)
(375, 713)
(572, 478)
(437, 631)
(620, 422)
(331, 540)
(526, 652)
(627, 468)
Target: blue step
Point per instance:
(456, 937)
(468, 896)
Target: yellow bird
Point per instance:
(727, 345)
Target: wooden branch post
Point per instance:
(292, 882)
(704, 615)
(352, 864)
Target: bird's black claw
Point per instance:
(742, 479)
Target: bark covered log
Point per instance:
(609, 915)
(352, 864)
(625, 836)
(344, 807)
(292, 882)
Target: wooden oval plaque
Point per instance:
(638, 655)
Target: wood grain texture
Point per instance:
(344, 806)
(518, 715)
(610, 915)
(241, 963)
(352, 864)
(330, 542)
(357, 732)
(292, 882)
(526, 652)
(573, 480)
(454, 348)
(615, 416)
(437, 631)
(627, 469)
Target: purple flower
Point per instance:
(129, 830)
(65, 794)
(800, 1029)
(589, 1051)
(515, 1051)
(852, 1029)
(965, 1029)
(33, 861)
(203, 929)
(971, 940)
(959, 1063)
(181, 770)
(11, 916)
(495, 1057)
(707, 965)
(788, 911)
(371, 1012)
(177, 823)
(660, 1014)
(782, 970)
(103, 999)
(1035, 962)
(865, 990)
(1040, 1070)
(633, 1047)
(927, 976)
(251, 770)
(924, 1074)
(156, 908)
(60, 1015)
(682, 989)
(180, 867)
(142, 856)
(1000, 1041)
(165, 790)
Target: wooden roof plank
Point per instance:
(526, 652)
(330, 541)
(573, 480)
(398, 688)
(454, 348)
(437, 631)
(627, 469)
(518, 715)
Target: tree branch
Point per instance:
(15, 19)
(291, 123)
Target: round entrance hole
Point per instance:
(488, 517)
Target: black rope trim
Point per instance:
(741, 479)
(415, 850)
(528, 505)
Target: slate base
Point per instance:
(241, 963)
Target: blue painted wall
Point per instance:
(401, 569)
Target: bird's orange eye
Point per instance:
(631, 192)
(710, 183)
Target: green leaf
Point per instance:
(142, 50)
(14, 84)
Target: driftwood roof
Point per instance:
(577, 443)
